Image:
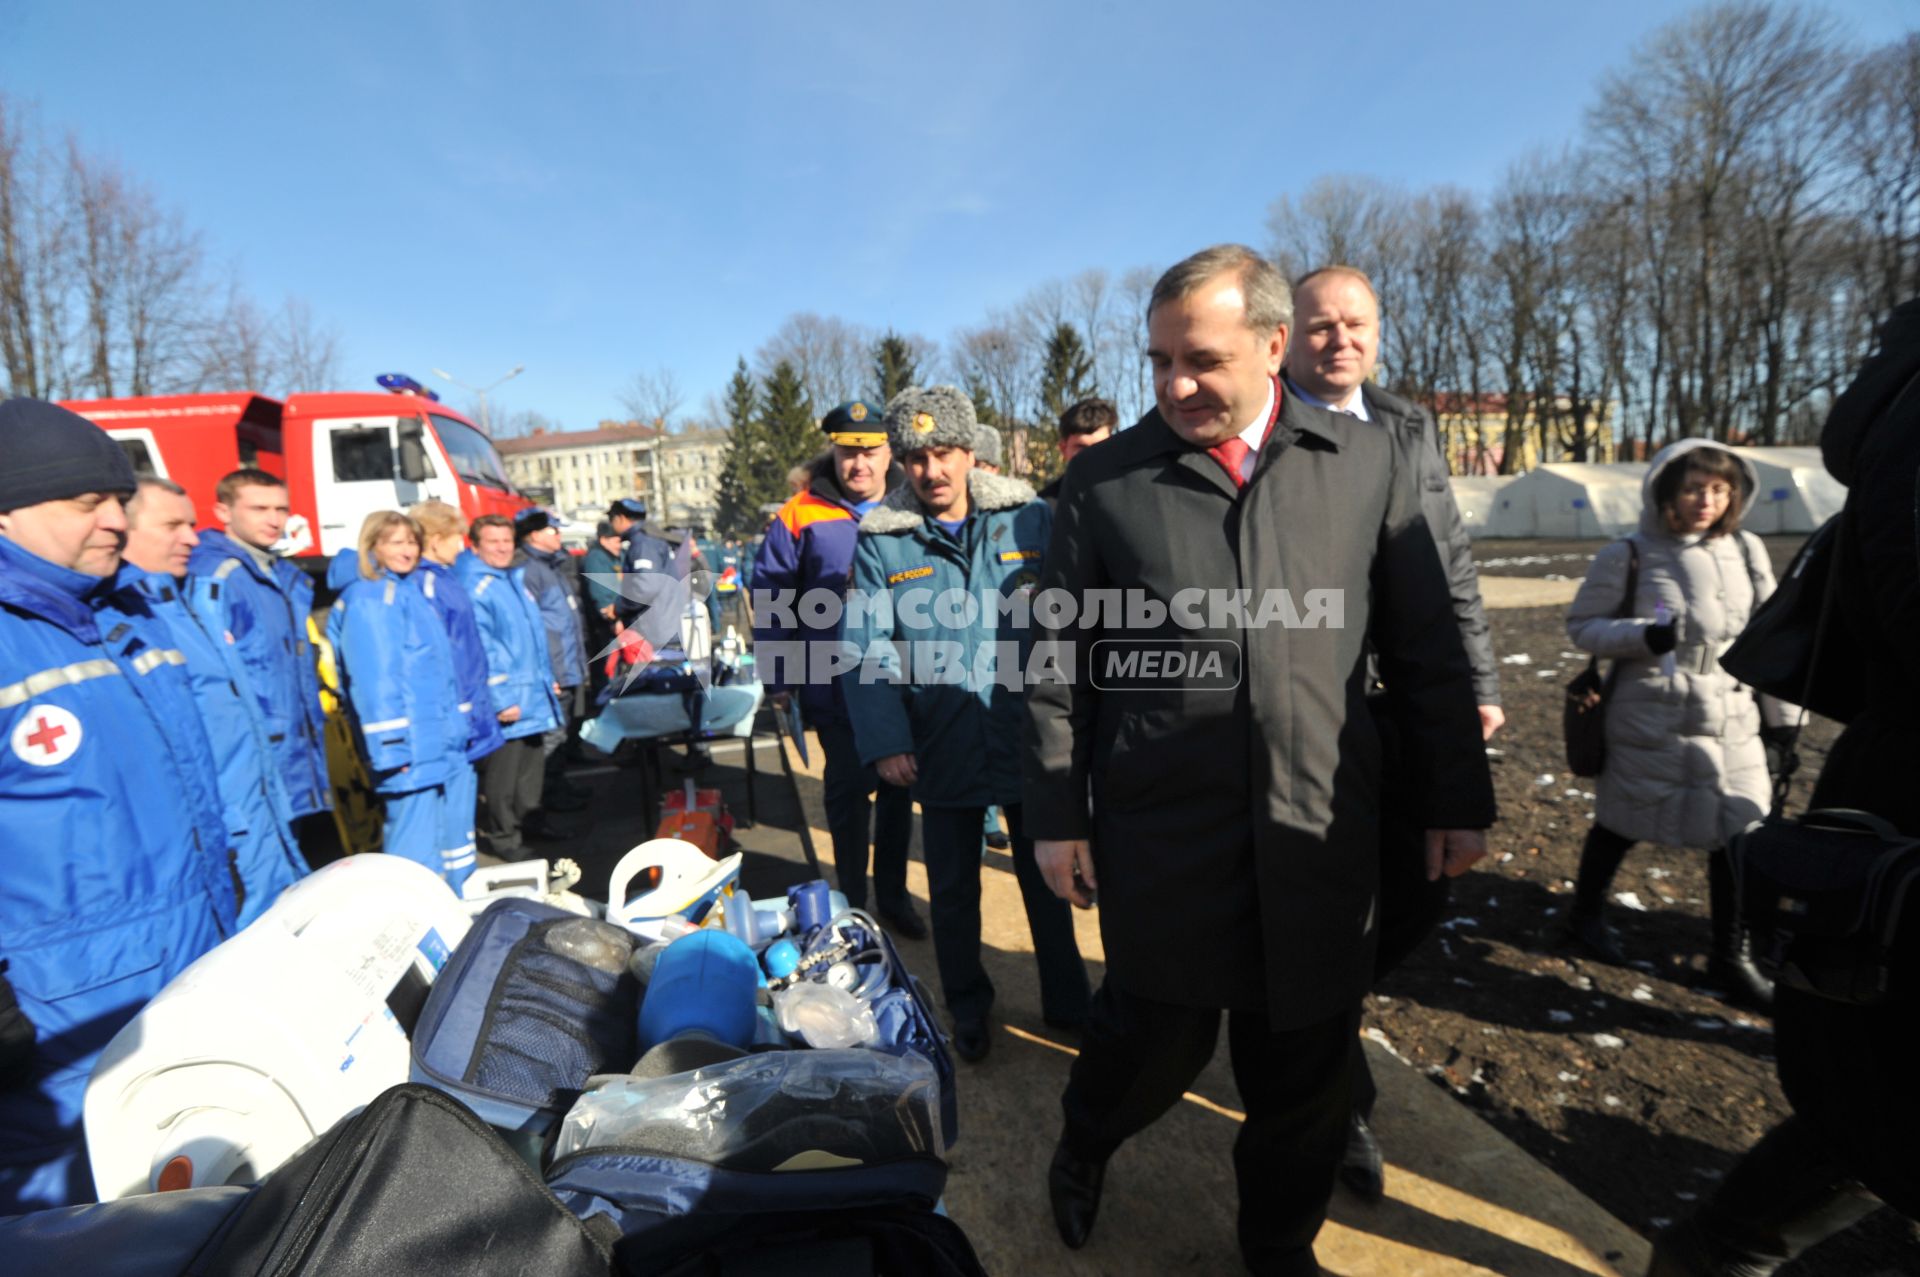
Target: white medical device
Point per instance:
(275, 1035)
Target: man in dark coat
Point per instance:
(1330, 364)
(1228, 816)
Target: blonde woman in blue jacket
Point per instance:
(396, 667)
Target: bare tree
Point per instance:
(306, 354)
(1704, 108)
(828, 353)
(654, 397)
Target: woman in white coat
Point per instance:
(1685, 763)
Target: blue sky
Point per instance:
(595, 190)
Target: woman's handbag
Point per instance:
(1584, 719)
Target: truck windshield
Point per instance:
(472, 453)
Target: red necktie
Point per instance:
(1232, 456)
(1232, 453)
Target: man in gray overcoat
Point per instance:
(1227, 814)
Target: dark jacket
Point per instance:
(1413, 426)
(1235, 832)
(808, 546)
(644, 553)
(963, 725)
(1849, 1070)
(599, 571)
(547, 579)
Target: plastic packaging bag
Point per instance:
(828, 1018)
(775, 1110)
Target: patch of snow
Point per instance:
(1656, 872)
(1612, 1101)
(1546, 778)
(1517, 658)
(1560, 1017)
(1708, 1024)
(1642, 994)
(1628, 900)
(1608, 1040)
(1376, 1035)
(1565, 1076)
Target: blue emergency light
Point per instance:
(401, 384)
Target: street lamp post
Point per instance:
(480, 392)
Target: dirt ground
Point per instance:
(1637, 1084)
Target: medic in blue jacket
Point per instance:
(396, 667)
(440, 525)
(263, 602)
(259, 819)
(113, 861)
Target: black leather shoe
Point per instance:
(971, 1042)
(1073, 1186)
(999, 841)
(904, 923)
(1361, 1166)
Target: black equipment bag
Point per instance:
(1775, 652)
(1583, 720)
(415, 1183)
(412, 1184)
(1823, 898)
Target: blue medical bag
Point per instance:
(514, 1027)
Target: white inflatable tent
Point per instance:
(1796, 493)
(1570, 500)
(1477, 495)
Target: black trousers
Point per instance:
(1138, 1056)
(851, 798)
(1410, 908)
(510, 782)
(953, 839)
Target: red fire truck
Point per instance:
(343, 455)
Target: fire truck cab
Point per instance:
(343, 455)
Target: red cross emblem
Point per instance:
(46, 735)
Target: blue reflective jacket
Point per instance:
(454, 606)
(259, 817)
(396, 670)
(113, 858)
(267, 618)
(519, 671)
(965, 726)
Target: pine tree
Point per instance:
(894, 367)
(740, 491)
(1066, 377)
(792, 431)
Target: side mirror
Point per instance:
(415, 465)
